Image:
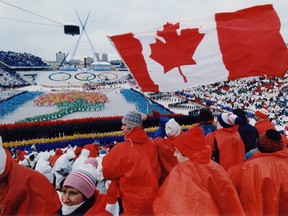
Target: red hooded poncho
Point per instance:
(230, 145)
(53, 158)
(167, 160)
(262, 183)
(134, 164)
(263, 125)
(198, 186)
(24, 191)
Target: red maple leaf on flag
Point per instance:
(177, 49)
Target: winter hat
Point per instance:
(205, 115)
(192, 142)
(77, 150)
(91, 160)
(271, 141)
(227, 120)
(18, 152)
(241, 113)
(3, 157)
(83, 179)
(85, 152)
(58, 151)
(133, 119)
(70, 154)
(45, 155)
(103, 151)
(172, 128)
(262, 113)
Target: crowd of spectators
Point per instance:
(21, 59)
(11, 80)
(249, 94)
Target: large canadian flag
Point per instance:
(204, 50)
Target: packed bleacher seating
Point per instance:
(21, 59)
(11, 80)
(248, 93)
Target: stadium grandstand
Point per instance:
(11, 61)
(10, 79)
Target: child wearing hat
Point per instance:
(196, 185)
(261, 181)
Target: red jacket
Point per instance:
(54, 157)
(134, 164)
(24, 191)
(99, 207)
(263, 126)
(167, 160)
(198, 187)
(20, 155)
(93, 148)
(230, 145)
(262, 183)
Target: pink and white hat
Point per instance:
(84, 180)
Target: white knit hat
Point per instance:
(70, 154)
(172, 128)
(3, 157)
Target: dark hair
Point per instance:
(205, 115)
(240, 113)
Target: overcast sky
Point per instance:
(36, 26)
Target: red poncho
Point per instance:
(134, 164)
(167, 160)
(262, 183)
(263, 126)
(26, 192)
(230, 145)
(198, 187)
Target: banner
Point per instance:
(206, 49)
